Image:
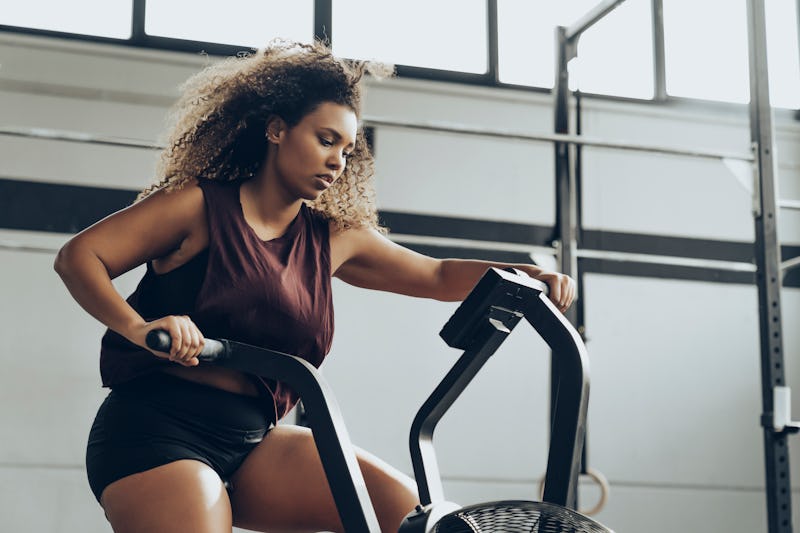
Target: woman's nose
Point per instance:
(336, 162)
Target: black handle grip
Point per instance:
(159, 340)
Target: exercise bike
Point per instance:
(481, 323)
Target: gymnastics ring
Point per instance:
(601, 481)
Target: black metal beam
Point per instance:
(659, 59)
(566, 229)
(768, 274)
(565, 234)
(323, 21)
(138, 19)
(493, 52)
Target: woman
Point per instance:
(265, 193)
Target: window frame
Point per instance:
(323, 31)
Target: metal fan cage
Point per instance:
(517, 517)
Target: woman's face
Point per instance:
(312, 155)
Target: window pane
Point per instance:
(526, 37)
(239, 22)
(782, 53)
(104, 18)
(706, 54)
(441, 34)
(715, 67)
(614, 56)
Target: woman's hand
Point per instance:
(562, 287)
(187, 340)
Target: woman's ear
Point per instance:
(275, 129)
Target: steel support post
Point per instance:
(768, 274)
(565, 231)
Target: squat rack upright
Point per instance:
(775, 419)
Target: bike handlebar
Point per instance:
(213, 350)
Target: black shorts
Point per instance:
(160, 418)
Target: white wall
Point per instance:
(675, 405)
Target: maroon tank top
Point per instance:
(274, 294)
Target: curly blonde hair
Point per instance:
(218, 125)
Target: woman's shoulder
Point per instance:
(349, 241)
(216, 196)
(183, 205)
(187, 197)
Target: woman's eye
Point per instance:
(325, 142)
(348, 156)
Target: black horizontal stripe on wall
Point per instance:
(651, 270)
(671, 246)
(466, 228)
(453, 252)
(64, 208)
(56, 207)
(610, 267)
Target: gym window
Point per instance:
(440, 34)
(236, 22)
(703, 54)
(106, 18)
(615, 57)
(707, 59)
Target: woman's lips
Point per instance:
(326, 179)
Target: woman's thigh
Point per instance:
(281, 486)
(182, 496)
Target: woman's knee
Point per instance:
(185, 495)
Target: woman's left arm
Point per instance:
(365, 258)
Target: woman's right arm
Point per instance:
(146, 230)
